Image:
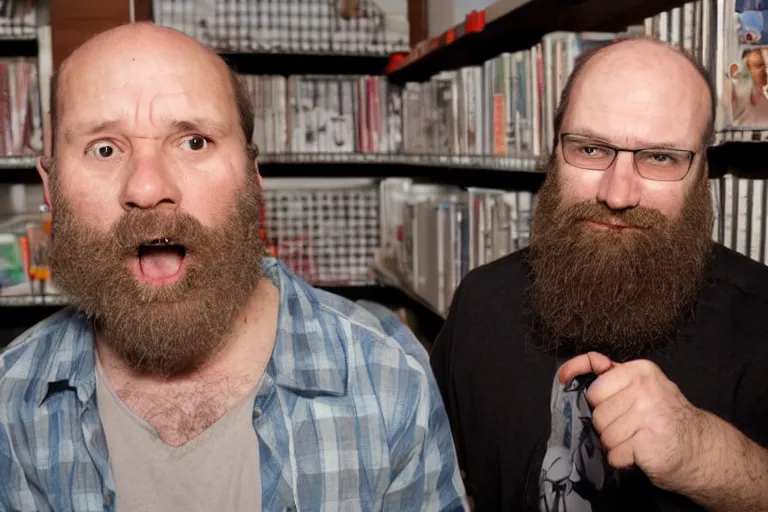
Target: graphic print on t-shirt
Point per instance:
(575, 475)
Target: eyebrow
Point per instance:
(86, 129)
(201, 125)
(594, 136)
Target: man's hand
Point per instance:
(643, 419)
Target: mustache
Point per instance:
(637, 217)
(141, 227)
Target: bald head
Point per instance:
(128, 57)
(645, 84)
(138, 39)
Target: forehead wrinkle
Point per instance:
(634, 117)
(625, 140)
(153, 110)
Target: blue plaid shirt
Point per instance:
(348, 416)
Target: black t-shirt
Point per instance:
(497, 389)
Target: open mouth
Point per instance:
(161, 259)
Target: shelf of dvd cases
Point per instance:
(18, 20)
(512, 25)
(480, 171)
(734, 152)
(485, 171)
(459, 161)
(364, 28)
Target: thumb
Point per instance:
(591, 362)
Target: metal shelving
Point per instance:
(17, 162)
(512, 25)
(478, 171)
(369, 292)
(389, 277)
(733, 151)
(462, 162)
(18, 47)
(293, 63)
(33, 300)
(18, 169)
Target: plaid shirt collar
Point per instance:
(296, 362)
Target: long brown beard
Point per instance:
(167, 329)
(619, 292)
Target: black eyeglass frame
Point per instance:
(616, 152)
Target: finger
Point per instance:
(610, 384)
(622, 457)
(611, 409)
(591, 362)
(620, 431)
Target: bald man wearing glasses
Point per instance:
(621, 363)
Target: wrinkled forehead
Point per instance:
(640, 101)
(144, 89)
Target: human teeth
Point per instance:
(160, 241)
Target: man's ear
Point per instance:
(258, 175)
(45, 162)
(43, 169)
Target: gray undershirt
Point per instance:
(216, 471)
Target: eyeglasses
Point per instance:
(651, 164)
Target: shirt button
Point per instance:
(108, 500)
(257, 413)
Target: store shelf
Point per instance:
(734, 152)
(19, 314)
(18, 169)
(512, 25)
(17, 162)
(33, 300)
(17, 47)
(276, 63)
(374, 292)
(389, 277)
(490, 172)
(743, 157)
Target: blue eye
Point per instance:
(195, 143)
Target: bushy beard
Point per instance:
(618, 292)
(171, 328)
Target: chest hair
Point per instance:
(180, 415)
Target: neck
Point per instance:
(242, 357)
(180, 407)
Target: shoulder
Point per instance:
(366, 348)
(739, 276)
(501, 273)
(491, 291)
(28, 362)
(331, 345)
(504, 275)
(387, 367)
(374, 332)
(734, 303)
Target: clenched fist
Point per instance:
(643, 419)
